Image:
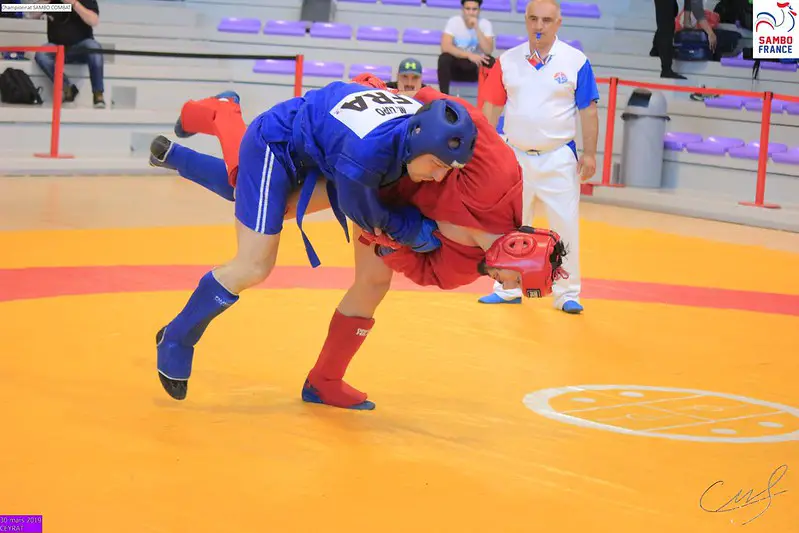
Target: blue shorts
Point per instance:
(267, 176)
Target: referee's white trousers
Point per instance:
(552, 179)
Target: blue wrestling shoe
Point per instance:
(227, 95)
(572, 307)
(159, 151)
(174, 366)
(494, 298)
(311, 395)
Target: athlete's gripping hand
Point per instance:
(425, 240)
(414, 230)
(379, 238)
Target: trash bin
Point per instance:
(642, 149)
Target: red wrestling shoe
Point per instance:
(336, 393)
(225, 96)
(325, 383)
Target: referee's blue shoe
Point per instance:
(494, 298)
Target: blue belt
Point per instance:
(309, 172)
(306, 192)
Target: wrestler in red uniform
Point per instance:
(485, 195)
(478, 209)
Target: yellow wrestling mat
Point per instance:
(669, 406)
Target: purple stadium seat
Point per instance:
(381, 71)
(576, 44)
(728, 142)
(773, 148)
(310, 68)
(574, 9)
(756, 104)
(496, 5)
(361, 1)
(674, 146)
(714, 145)
(285, 27)
(323, 69)
(274, 66)
(331, 30)
(784, 67)
(790, 157)
(234, 25)
(676, 140)
(725, 102)
(706, 148)
(402, 2)
(752, 150)
(506, 42)
(792, 108)
(377, 33)
(737, 61)
(683, 136)
(450, 4)
(744, 152)
(429, 76)
(418, 36)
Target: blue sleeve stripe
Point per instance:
(587, 90)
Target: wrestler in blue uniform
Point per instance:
(357, 138)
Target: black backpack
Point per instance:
(732, 11)
(16, 87)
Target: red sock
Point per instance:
(344, 338)
(220, 119)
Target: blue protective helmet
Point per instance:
(444, 129)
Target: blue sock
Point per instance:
(202, 169)
(210, 299)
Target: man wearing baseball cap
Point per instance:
(409, 76)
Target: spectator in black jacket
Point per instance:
(75, 31)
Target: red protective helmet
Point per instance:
(534, 253)
(369, 80)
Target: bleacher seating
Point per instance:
(739, 62)
(421, 36)
(285, 27)
(331, 30)
(145, 93)
(237, 25)
(384, 72)
(377, 33)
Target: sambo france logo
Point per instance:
(561, 78)
(775, 28)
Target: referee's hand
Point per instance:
(586, 167)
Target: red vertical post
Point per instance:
(58, 93)
(298, 69)
(610, 126)
(482, 72)
(762, 160)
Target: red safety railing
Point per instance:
(765, 127)
(58, 86)
(58, 83)
(298, 68)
